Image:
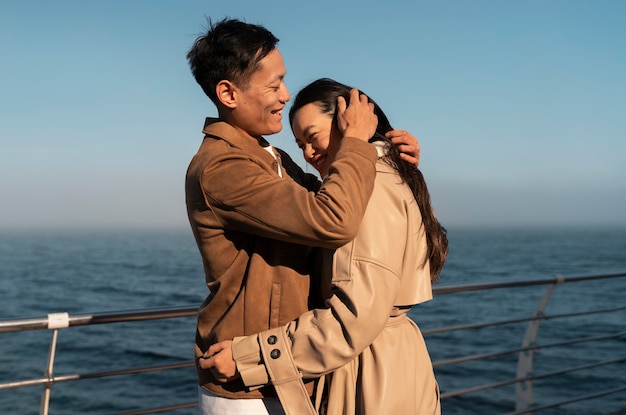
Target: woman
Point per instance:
(377, 355)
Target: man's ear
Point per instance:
(226, 93)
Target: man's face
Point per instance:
(259, 109)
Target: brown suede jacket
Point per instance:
(254, 231)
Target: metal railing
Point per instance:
(529, 344)
(523, 381)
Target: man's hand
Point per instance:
(219, 359)
(357, 119)
(407, 144)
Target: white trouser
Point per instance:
(210, 404)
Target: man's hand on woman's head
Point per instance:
(356, 118)
(407, 144)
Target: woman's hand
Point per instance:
(407, 144)
(219, 359)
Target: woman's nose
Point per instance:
(308, 151)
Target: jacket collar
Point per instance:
(215, 127)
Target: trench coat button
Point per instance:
(275, 354)
(272, 340)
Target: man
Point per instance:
(253, 211)
(252, 222)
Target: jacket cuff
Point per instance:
(247, 356)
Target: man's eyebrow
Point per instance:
(279, 77)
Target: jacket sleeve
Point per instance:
(366, 280)
(268, 206)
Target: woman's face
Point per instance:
(316, 136)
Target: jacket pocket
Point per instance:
(275, 305)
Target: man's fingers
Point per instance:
(214, 349)
(407, 145)
(341, 105)
(409, 159)
(210, 364)
(358, 120)
(402, 136)
(355, 96)
(206, 362)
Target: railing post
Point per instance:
(45, 397)
(55, 322)
(524, 390)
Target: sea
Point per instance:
(90, 272)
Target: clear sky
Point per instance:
(519, 106)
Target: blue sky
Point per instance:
(520, 106)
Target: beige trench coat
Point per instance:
(378, 355)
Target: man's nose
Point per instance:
(285, 96)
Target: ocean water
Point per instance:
(104, 271)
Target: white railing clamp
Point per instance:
(58, 321)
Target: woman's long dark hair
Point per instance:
(324, 92)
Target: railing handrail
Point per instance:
(482, 325)
(93, 375)
(448, 289)
(42, 323)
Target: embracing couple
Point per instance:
(310, 281)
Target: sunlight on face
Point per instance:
(260, 105)
(316, 137)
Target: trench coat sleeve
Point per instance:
(262, 203)
(323, 340)
(366, 281)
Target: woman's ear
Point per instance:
(226, 93)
